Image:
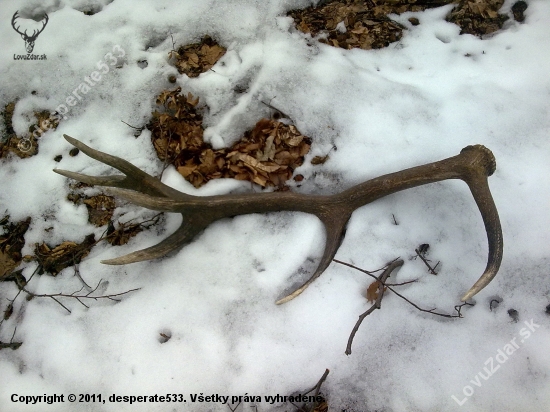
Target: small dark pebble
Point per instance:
(514, 314)
(58, 158)
(414, 21)
(172, 78)
(548, 309)
(74, 152)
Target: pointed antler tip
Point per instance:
(470, 294)
(69, 138)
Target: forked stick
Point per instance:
(473, 165)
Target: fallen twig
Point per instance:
(377, 304)
(430, 269)
(11, 345)
(381, 289)
(317, 389)
(75, 295)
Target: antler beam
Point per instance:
(473, 165)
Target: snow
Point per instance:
(420, 100)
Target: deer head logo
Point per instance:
(29, 40)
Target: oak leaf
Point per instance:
(372, 291)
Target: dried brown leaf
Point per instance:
(100, 209)
(372, 291)
(64, 255)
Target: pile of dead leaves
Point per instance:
(11, 243)
(22, 146)
(266, 155)
(54, 259)
(100, 213)
(365, 24)
(100, 209)
(194, 59)
(478, 17)
(351, 24)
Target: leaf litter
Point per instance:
(194, 59)
(266, 155)
(365, 24)
(10, 142)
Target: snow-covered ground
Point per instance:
(420, 100)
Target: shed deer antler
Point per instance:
(473, 165)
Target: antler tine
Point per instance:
(134, 179)
(161, 204)
(482, 194)
(473, 165)
(489, 213)
(335, 227)
(481, 164)
(112, 180)
(185, 233)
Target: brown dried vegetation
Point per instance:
(100, 213)
(373, 291)
(266, 155)
(365, 24)
(194, 59)
(100, 209)
(11, 143)
(478, 17)
(53, 259)
(127, 230)
(11, 242)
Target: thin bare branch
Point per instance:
(432, 311)
(78, 297)
(11, 345)
(377, 304)
(317, 386)
(421, 256)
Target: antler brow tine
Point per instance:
(473, 165)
